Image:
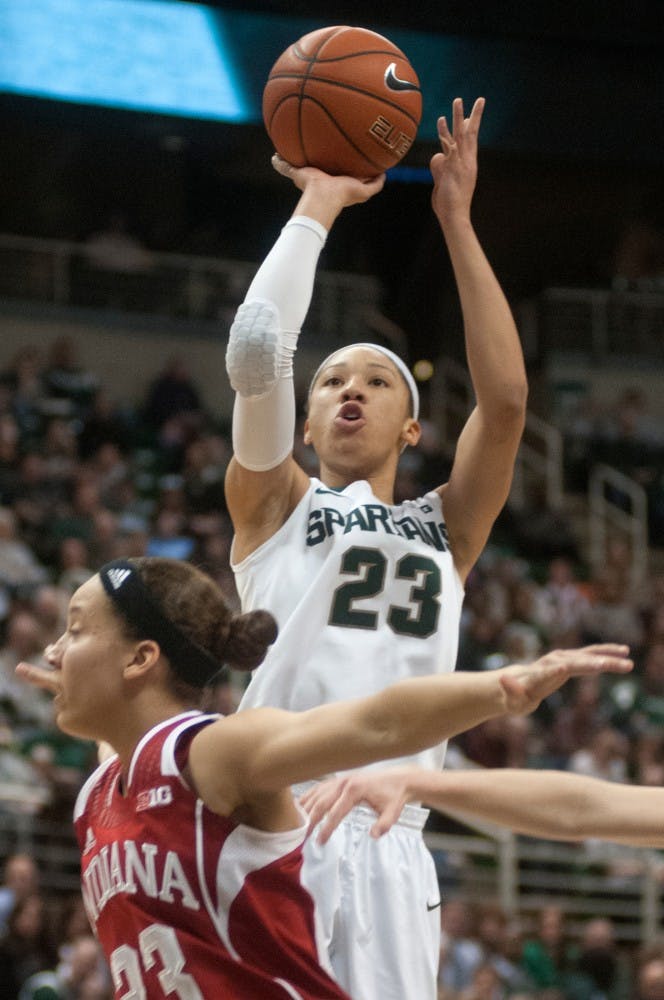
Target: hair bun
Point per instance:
(248, 639)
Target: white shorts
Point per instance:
(378, 906)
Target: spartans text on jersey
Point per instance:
(375, 517)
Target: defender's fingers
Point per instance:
(387, 818)
(38, 676)
(457, 117)
(316, 802)
(337, 812)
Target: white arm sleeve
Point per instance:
(262, 342)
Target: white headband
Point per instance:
(394, 358)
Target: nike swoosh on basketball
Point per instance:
(395, 82)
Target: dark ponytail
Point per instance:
(248, 639)
(191, 604)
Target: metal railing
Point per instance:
(604, 323)
(179, 286)
(540, 456)
(487, 863)
(617, 503)
(523, 875)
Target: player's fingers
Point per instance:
(473, 123)
(282, 166)
(443, 130)
(375, 184)
(600, 663)
(38, 676)
(337, 811)
(607, 648)
(388, 817)
(457, 118)
(317, 801)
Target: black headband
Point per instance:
(123, 584)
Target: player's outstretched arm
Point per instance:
(257, 753)
(263, 483)
(486, 450)
(553, 805)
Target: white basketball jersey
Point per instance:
(365, 594)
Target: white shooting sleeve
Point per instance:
(262, 342)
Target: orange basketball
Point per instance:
(343, 99)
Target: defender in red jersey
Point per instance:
(190, 838)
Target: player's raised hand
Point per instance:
(454, 169)
(525, 686)
(342, 189)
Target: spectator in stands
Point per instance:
(649, 758)
(575, 720)
(37, 497)
(169, 538)
(21, 879)
(110, 472)
(611, 615)
(49, 605)
(203, 476)
(25, 641)
(24, 379)
(73, 560)
(59, 449)
(460, 952)
(78, 519)
(506, 744)
(600, 971)
(546, 956)
(567, 603)
(82, 975)
(104, 423)
(28, 943)
(485, 985)
(605, 755)
(9, 452)
(18, 565)
(106, 534)
(646, 707)
(67, 379)
(630, 420)
(171, 394)
(495, 934)
(650, 972)
(131, 540)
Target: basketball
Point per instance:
(343, 99)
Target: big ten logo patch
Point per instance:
(152, 797)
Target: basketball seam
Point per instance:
(305, 77)
(299, 54)
(342, 86)
(348, 139)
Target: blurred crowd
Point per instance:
(487, 955)
(85, 478)
(47, 950)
